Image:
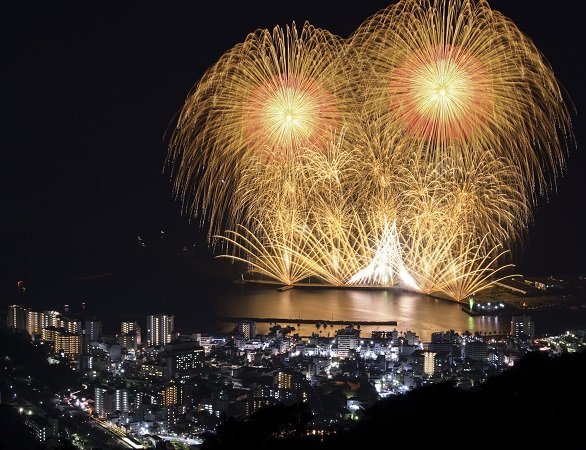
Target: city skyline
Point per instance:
(191, 387)
(122, 329)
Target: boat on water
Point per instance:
(474, 313)
(285, 287)
(484, 309)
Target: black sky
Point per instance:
(90, 88)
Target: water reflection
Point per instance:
(418, 313)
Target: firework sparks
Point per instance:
(386, 268)
(410, 154)
(458, 78)
(265, 101)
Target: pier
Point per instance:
(372, 323)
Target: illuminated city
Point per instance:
(293, 225)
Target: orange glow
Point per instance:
(441, 94)
(289, 113)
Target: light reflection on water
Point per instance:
(413, 312)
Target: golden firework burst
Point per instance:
(410, 154)
(458, 78)
(275, 95)
(442, 95)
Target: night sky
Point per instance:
(90, 92)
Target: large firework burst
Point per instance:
(458, 78)
(245, 123)
(410, 154)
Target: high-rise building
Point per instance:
(172, 416)
(49, 334)
(108, 401)
(63, 341)
(204, 340)
(347, 340)
(16, 317)
(283, 380)
(93, 330)
(52, 319)
(71, 325)
(247, 328)
(42, 429)
(69, 344)
(121, 400)
(129, 326)
(151, 369)
(476, 350)
(183, 358)
(99, 400)
(411, 338)
(129, 341)
(160, 329)
(429, 363)
(445, 337)
(170, 394)
(522, 327)
(35, 322)
(130, 335)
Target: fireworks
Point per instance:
(458, 77)
(410, 154)
(266, 99)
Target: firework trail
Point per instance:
(410, 154)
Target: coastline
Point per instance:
(285, 287)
